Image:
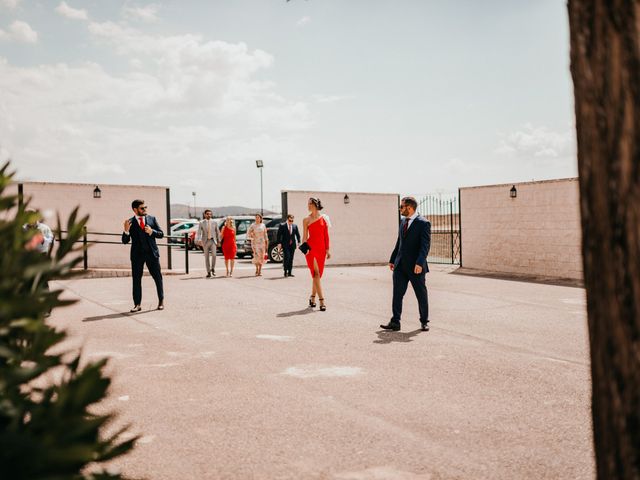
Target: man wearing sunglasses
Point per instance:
(408, 263)
(142, 230)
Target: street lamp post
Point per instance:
(195, 212)
(260, 164)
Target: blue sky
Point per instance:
(343, 95)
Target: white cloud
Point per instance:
(73, 13)
(330, 98)
(19, 31)
(192, 105)
(148, 13)
(9, 3)
(303, 21)
(539, 142)
(190, 72)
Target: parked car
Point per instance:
(274, 251)
(175, 221)
(243, 222)
(178, 230)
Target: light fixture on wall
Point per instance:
(347, 200)
(97, 193)
(513, 193)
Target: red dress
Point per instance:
(229, 247)
(318, 241)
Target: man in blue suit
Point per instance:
(408, 263)
(288, 239)
(142, 230)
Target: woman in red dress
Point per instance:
(229, 248)
(316, 236)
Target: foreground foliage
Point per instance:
(46, 428)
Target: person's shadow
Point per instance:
(113, 315)
(305, 311)
(385, 337)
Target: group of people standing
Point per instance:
(210, 237)
(408, 261)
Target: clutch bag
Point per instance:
(304, 248)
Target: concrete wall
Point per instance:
(106, 214)
(362, 232)
(536, 233)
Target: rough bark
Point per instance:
(605, 65)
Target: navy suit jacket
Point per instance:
(143, 244)
(413, 248)
(284, 237)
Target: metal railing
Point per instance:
(86, 242)
(444, 215)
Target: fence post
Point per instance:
(460, 228)
(186, 253)
(168, 195)
(451, 230)
(85, 258)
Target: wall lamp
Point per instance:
(347, 200)
(97, 193)
(513, 193)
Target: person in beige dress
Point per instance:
(257, 233)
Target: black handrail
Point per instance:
(85, 245)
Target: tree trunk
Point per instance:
(605, 65)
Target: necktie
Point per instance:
(208, 229)
(405, 227)
(290, 236)
(142, 223)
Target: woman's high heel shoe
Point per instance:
(312, 301)
(323, 307)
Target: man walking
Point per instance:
(288, 233)
(408, 263)
(42, 241)
(209, 240)
(142, 230)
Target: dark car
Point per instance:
(274, 251)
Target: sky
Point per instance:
(409, 96)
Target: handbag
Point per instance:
(304, 248)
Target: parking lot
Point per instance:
(238, 379)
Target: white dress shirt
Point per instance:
(411, 219)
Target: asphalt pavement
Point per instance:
(238, 379)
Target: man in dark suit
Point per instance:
(287, 234)
(408, 263)
(142, 230)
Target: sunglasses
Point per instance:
(142, 208)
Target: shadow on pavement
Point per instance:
(204, 277)
(115, 315)
(385, 337)
(304, 311)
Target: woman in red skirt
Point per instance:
(229, 248)
(316, 236)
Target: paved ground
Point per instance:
(237, 379)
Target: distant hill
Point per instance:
(180, 210)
